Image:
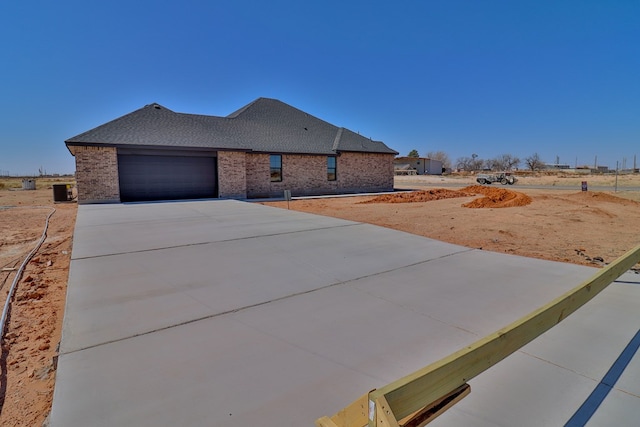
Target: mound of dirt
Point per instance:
(418, 196)
(587, 196)
(495, 197)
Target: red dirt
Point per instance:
(568, 226)
(493, 197)
(29, 351)
(558, 225)
(418, 196)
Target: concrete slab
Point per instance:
(232, 314)
(120, 229)
(547, 381)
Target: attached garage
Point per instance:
(146, 177)
(154, 153)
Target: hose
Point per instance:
(16, 279)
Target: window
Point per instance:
(275, 163)
(331, 168)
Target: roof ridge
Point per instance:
(205, 116)
(153, 105)
(336, 141)
(241, 110)
(156, 106)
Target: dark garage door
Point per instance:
(150, 177)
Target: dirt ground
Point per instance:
(581, 227)
(32, 334)
(588, 228)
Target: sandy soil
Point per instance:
(32, 334)
(525, 179)
(589, 228)
(580, 227)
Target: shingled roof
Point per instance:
(264, 125)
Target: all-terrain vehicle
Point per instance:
(503, 178)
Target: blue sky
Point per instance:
(560, 78)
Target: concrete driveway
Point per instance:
(226, 313)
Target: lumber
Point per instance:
(435, 409)
(326, 422)
(356, 414)
(383, 413)
(409, 394)
(418, 398)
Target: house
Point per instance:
(421, 166)
(556, 166)
(260, 150)
(403, 169)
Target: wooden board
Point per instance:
(422, 389)
(407, 395)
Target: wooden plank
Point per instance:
(383, 414)
(435, 409)
(327, 422)
(356, 414)
(407, 395)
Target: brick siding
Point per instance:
(307, 174)
(232, 176)
(365, 172)
(247, 175)
(96, 174)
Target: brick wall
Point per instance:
(96, 174)
(232, 176)
(307, 174)
(364, 172)
(242, 175)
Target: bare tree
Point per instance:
(463, 163)
(472, 163)
(503, 162)
(534, 162)
(440, 156)
(493, 164)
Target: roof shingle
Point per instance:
(264, 125)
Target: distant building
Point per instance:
(421, 166)
(556, 166)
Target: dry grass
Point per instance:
(14, 183)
